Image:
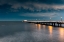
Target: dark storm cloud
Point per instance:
(39, 1)
(33, 5)
(41, 15)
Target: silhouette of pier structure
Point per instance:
(51, 23)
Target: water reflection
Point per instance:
(38, 26)
(30, 33)
(50, 30)
(44, 27)
(61, 34)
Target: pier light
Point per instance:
(36, 19)
(61, 18)
(50, 19)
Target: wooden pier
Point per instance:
(52, 23)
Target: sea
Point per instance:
(17, 31)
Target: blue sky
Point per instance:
(17, 10)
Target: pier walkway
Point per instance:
(53, 23)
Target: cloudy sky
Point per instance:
(31, 9)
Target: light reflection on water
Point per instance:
(38, 26)
(26, 32)
(44, 26)
(61, 34)
(50, 30)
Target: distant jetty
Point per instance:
(52, 23)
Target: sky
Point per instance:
(17, 10)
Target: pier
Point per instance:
(51, 23)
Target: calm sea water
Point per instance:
(29, 32)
